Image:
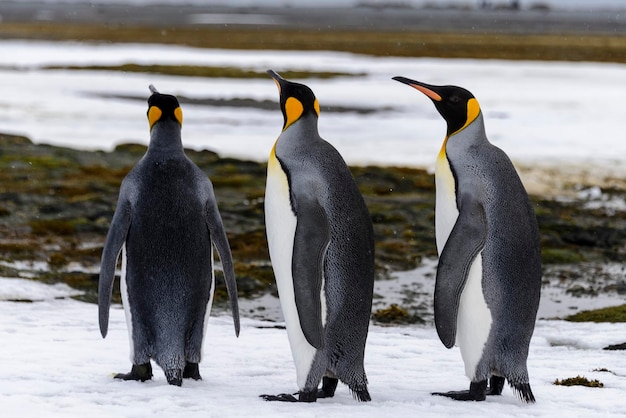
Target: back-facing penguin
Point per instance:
(165, 225)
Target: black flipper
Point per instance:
(220, 241)
(466, 240)
(309, 248)
(116, 237)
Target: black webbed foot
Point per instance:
(283, 397)
(140, 372)
(329, 385)
(192, 371)
(476, 392)
(287, 397)
(496, 383)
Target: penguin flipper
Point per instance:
(309, 249)
(220, 241)
(116, 237)
(466, 240)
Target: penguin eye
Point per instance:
(455, 99)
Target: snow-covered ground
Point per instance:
(54, 363)
(538, 112)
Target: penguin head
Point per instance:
(456, 105)
(296, 100)
(163, 107)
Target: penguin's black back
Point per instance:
(168, 244)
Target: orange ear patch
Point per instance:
(293, 110)
(154, 114)
(473, 109)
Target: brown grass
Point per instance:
(554, 47)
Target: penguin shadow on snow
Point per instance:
(165, 227)
(488, 278)
(321, 245)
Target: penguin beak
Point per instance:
(427, 89)
(277, 79)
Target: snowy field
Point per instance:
(54, 363)
(538, 112)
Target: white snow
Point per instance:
(54, 363)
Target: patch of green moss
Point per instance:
(610, 314)
(137, 149)
(579, 381)
(52, 227)
(395, 314)
(560, 256)
(8, 139)
(57, 260)
(18, 250)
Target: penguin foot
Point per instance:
(329, 385)
(174, 377)
(523, 391)
(192, 371)
(307, 397)
(141, 372)
(283, 397)
(496, 383)
(476, 392)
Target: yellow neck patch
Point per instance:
(293, 111)
(473, 109)
(316, 106)
(154, 114)
(442, 151)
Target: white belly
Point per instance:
(280, 224)
(210, 301)
(474, 317)
(446, 212)
(127, 312)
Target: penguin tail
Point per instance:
(523, 392)
(360, 393)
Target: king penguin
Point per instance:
(488, 279)
(321, 245)
(165, 224)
